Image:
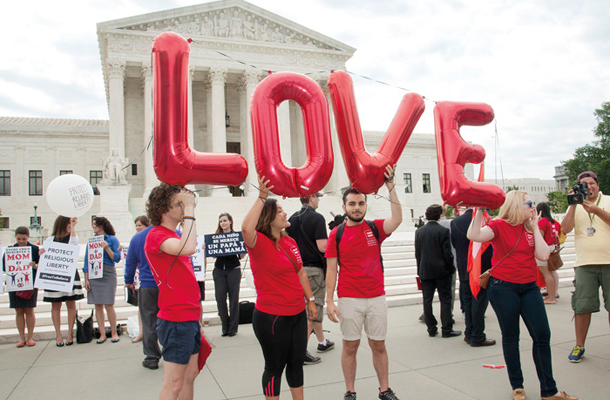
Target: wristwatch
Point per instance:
(312, 299)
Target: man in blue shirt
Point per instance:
(148, 297)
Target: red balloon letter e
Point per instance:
(453, 152)
(364, 170)
(175, 162)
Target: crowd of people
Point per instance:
(298, 269)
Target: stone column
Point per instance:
(339, 177)
(116, 108)
(191, 122)
(217, 131)
(283, 116)
(249, 81)
(150, 178)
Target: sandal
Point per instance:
(31, 343)
(69, 343)
(20, 345)
(101, 341)
(59, 344)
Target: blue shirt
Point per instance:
(137, 258)
(114, 244)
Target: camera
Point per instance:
(580, 193)
(337, 220)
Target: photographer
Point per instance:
(591, 224)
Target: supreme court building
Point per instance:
(234, 45)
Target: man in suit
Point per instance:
(435, 269)
(474, 309)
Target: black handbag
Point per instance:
(108, 330)
(84, 329)
(246, 308)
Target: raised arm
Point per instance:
(475, 232)
(187, 244)
(248, 225)
(541, 249)
(390, 224)
(567, 224)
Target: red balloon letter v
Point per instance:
(365, 170)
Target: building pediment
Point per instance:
(228, 21)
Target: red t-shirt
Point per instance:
(520, 265)
(278, 288)
(179, 294)
(551, 230)
(360, 273)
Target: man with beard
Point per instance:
(355, 247)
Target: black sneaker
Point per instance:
(349, 396)
(387, 395)
(150, 364)
(309, 359)
(323, 348)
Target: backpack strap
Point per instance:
(372, 226)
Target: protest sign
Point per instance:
(95, 257)
(198, 260)
(224, 244)
(124, 252)
(57, 267)
(18, 269)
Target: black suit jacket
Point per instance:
(433, 251)
(459, 228)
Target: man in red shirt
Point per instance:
(361, 289)
(168, 255)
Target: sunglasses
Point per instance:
(529, 203)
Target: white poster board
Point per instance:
(18, 269)
(95, 257)
(198, 260)
(57, 267)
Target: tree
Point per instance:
(514, 187)
(557, 201)
(596, 156)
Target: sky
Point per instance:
(542, 66)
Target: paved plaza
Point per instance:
(420, 367)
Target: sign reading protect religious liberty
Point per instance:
(95, 257)
(198, 260)
(57, 267)
(224, 244)
(18, 269)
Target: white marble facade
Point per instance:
(220, 87)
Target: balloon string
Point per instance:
(320, 72)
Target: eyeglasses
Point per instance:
(529, 203)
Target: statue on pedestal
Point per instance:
(114, 168)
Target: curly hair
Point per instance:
(266, 218)
(105, 225)
(159, 202)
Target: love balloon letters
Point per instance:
(176, 163)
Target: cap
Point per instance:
(587, 174)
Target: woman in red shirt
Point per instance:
(279, 320)
(549, 228)
(512, 290)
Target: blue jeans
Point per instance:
(509, 301)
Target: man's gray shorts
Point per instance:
(318, 287)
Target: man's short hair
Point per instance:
(22, 230)
(305, 200)
(433, 212)
(587, 174)
(351, 191)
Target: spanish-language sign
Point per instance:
(224, 244)
(57, 267)
(18, 269)
(95, 257)
(198, 260)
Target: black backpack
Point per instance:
(371, 224)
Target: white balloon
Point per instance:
(69, 195)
